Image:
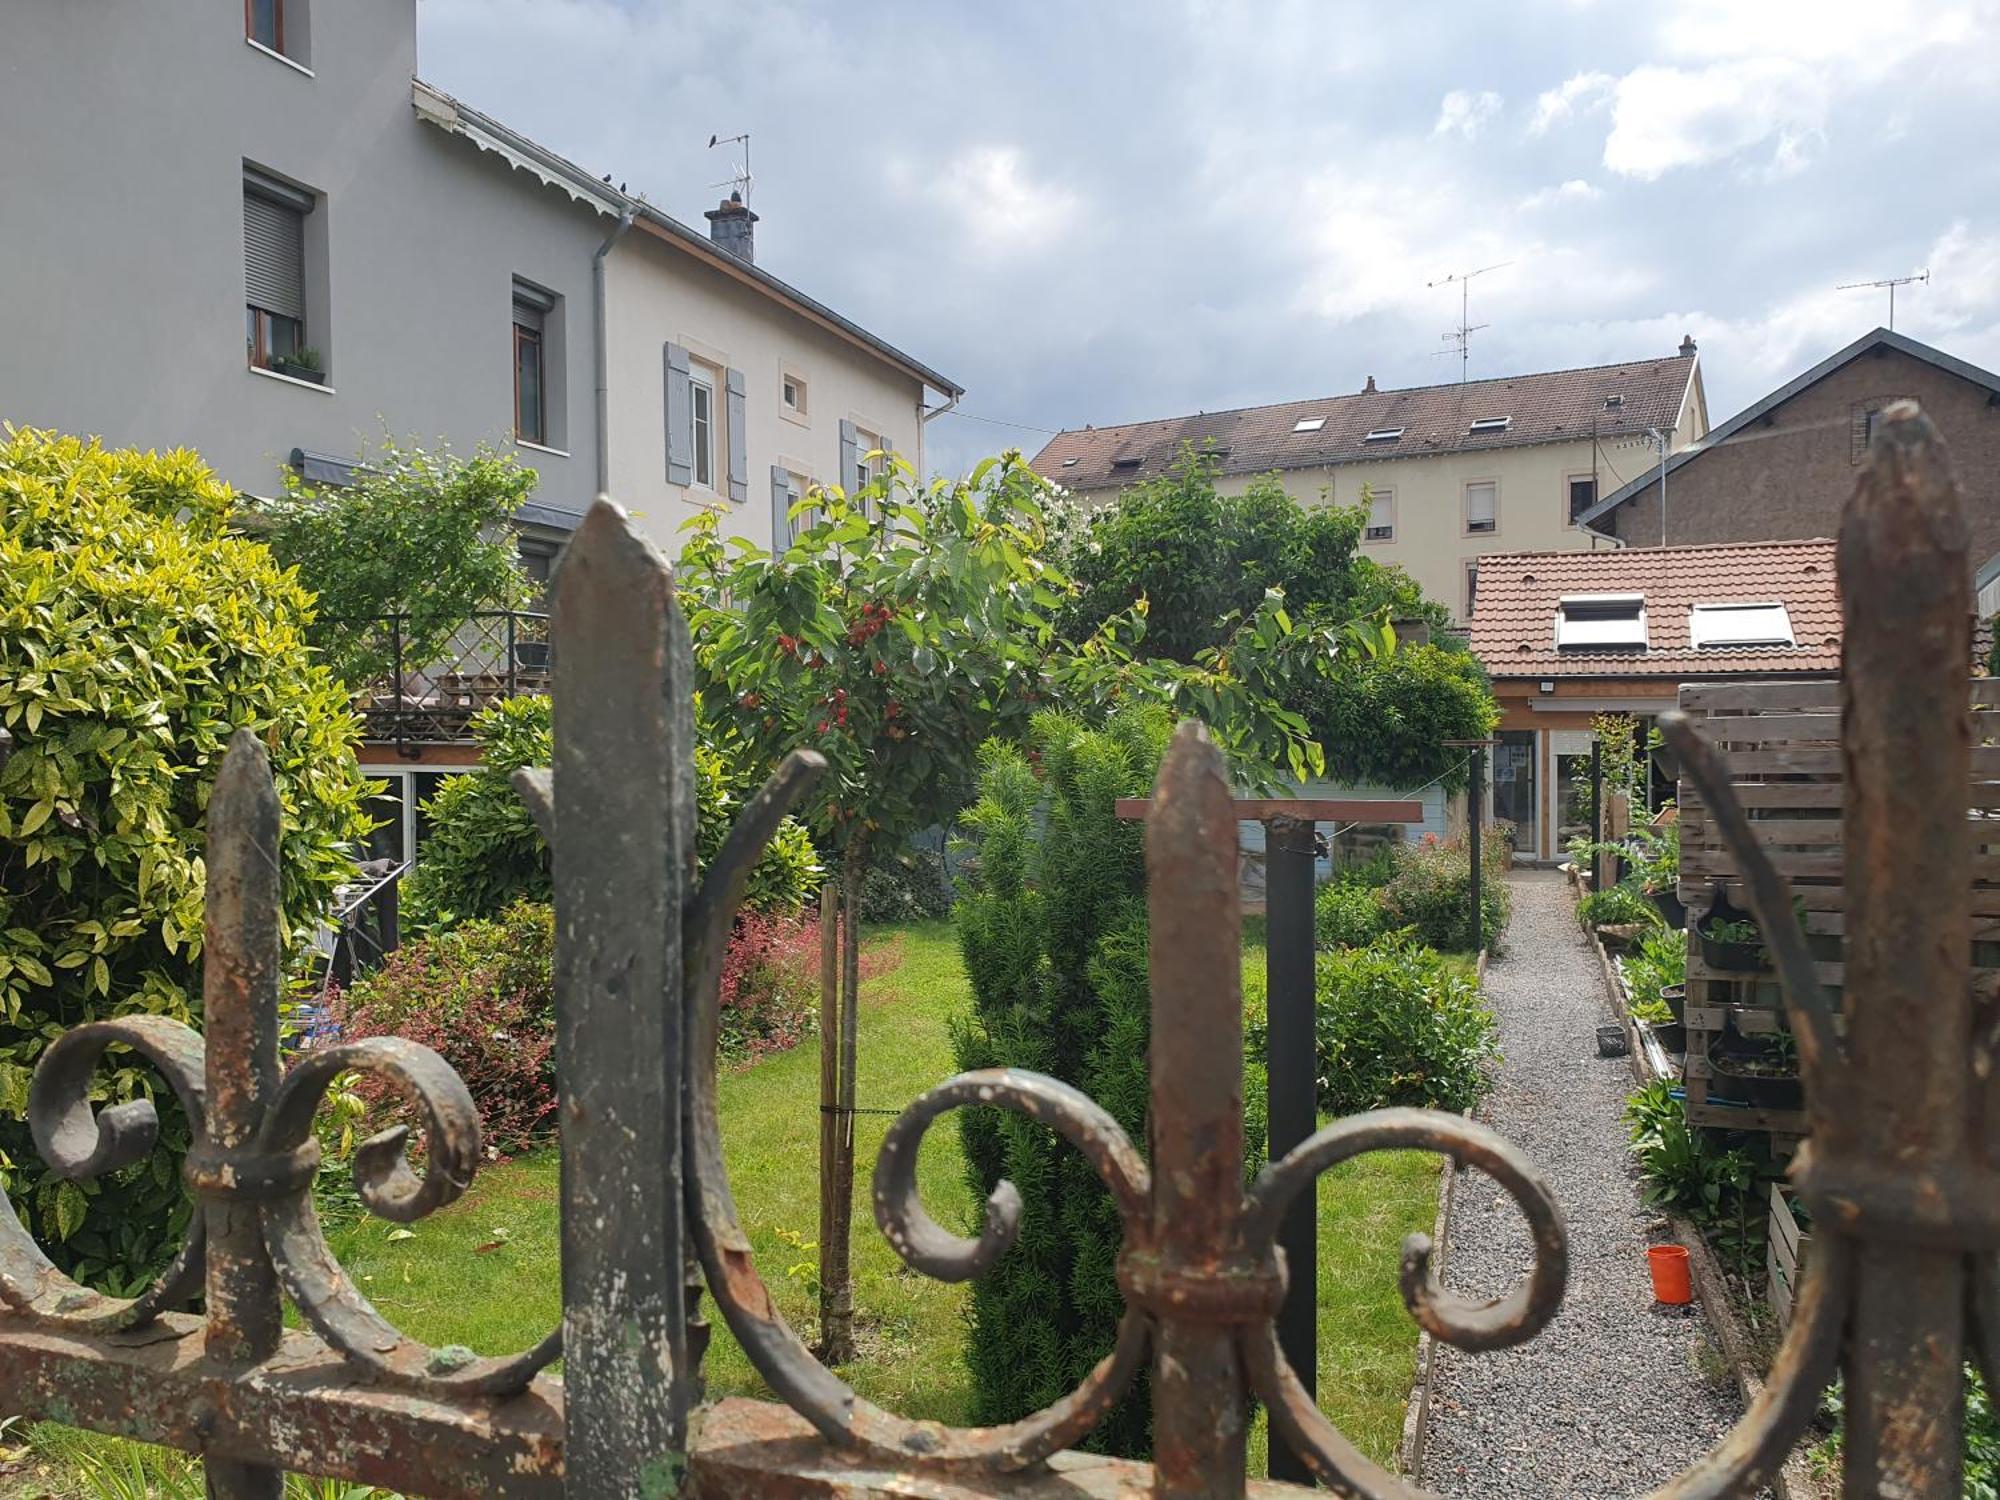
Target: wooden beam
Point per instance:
(1304, 809)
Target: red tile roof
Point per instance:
(1514, 608)
(1555, 406)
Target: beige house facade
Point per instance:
(1448, 474)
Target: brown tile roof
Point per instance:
(1514, 608)
(1556, 406)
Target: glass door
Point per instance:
(1514, 788)
(1570, 751)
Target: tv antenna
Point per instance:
(1461, 336)
(739, 181)
(1891, 282)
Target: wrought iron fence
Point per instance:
(1903, 1170)
(424, 697)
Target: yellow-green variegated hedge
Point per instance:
(136, 635)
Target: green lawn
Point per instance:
(485, 1272)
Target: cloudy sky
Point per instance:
(1100, 212)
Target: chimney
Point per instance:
(1369, 389)
(732, 226)
(1687, 346)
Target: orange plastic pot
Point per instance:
(1669, 1264)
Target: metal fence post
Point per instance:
(1293, 1115)
(1474, 828)
(1196, 1061)
(624, 863)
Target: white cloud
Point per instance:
(1576, 190)
(1584, 91)
(1466, 113)
(1000, 208)
(1663, 117)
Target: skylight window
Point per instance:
(1383, 435)
(1309, 424)
(1492, 424)
(1738, 625)
(1124, 463)
(1601, 622)
(1613, 402)
(1069, 463)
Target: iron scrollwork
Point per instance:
(272, 1174)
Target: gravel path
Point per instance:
(1608, 1400)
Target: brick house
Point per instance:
(1784, 467)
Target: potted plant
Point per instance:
(1730, 939)
(1762, 1072)
(303, 363)
(1657, 864)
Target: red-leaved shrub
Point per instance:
(770, 983)
(481, 996)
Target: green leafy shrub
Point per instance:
(905, 885)
(1617, 906)
(136, 635)
(1396, 1023)
(1661, 961)
(1431, 892)
(480, 994)
(483, 851)
(1387, 718)
(1053, 929)
(1347, 914)
(426, 537)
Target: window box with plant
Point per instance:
(304, 364)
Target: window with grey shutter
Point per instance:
(680, 418)
(739, 447)
(274, 254)
(850, 454)
(781, 507)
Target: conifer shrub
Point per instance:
(137, 634)
(1053, 930)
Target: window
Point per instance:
(701, 401)
(1383, 435)
(1381, 516)
(1482, 507)
(264, 23)
(1491, 424)
(1309, 424)
(1614, 401)
(793, 395)
(867, 468)
(1069, 463)
(1712, 625)
(1471, 587)
(274, 276)
(1582, 495)
(1124, 463)
(531, 424)
(1601, 622)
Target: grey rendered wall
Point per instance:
(121, 242)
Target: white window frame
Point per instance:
(1469, 594)
(1383, 435)
(1385, 496)
(1309, 424)
(704, 424)
(1465, 507)
(1708, 613)
(1586, 631)
(866, 472)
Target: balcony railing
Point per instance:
(495, 655)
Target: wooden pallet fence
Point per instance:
(1781, 744)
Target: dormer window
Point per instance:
(1613, 402)
(1487, 425)
(1383, 435)
(1739, 625)
(1124, 463)
(1601, 622)
(1309, 424)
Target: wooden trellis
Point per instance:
(1780, 743)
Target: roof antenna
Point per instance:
(739, 180)
(1462, 335)
(1891, 282)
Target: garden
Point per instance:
(1719, 1109)
(978, 666)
